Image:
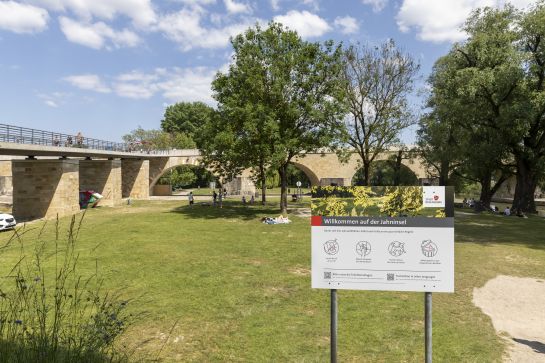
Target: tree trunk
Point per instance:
(444, 173)
(486, 197)
(397, 168)
(282, 171)
(523, 201)
(263, 178)
(366, 169)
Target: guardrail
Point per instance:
(24, 135)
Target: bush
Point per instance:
(49, 312)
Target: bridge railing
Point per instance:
(24, 135)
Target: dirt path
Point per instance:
(516, 306)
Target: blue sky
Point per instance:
(104, 67)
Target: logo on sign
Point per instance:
(433, 197)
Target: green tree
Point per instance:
(530, 151)
(158, 139)
(437, 143)
(378, 81)
(497, 88)
(186, 117)
(222, 152)
(454, 137)
(281, 97)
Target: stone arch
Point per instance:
(408, 176)
(311, 175)
(415, 165)
(160, 166)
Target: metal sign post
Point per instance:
(333, 325)
(427, 328)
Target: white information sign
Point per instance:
(366, 249)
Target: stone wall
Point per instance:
(135, 178)
(45, 188)
(162, 190)
(240, 186)
(103, 177)
(6, 180)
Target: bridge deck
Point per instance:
(10, 148)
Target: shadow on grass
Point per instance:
(489, 228)
(13, 352)
(230, 209)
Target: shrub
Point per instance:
(49, 312)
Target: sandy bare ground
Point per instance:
(516, 306)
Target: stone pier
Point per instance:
(45, 188)
(103, 177)
(135, 178)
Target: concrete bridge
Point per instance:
(46, 176)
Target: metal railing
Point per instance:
(24, 135)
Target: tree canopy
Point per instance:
(280, 97)
(158, 139)
(488, 98)
(378, 81)
(186, 117)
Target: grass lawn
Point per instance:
(217, 285)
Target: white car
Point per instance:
(7, 221)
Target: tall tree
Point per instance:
(505, 56)
(476, 102)
(530, 151)
(282, 96)
(158, 139)
(378, 81)
(186, 117)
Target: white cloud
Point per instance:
(22, 18)
(347, 24)
(97, 35)
(141, 12)
(174, 84)
(234, 7)
(51, 103)
(184, 27)
(314, 4)
(440, 21)
(305, 23)
(54, 99)
(189, 85)
(377, 5)
(275, 5)
(90, 82)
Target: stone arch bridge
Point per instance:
(46, 179)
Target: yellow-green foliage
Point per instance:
(440, 213)
(362, 197)
(329, 206)
(400, 201)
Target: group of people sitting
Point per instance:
(471, 203)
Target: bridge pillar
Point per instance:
(342, 182)
(104, 177)
(45, 188)
(135, 178)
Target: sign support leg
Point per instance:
(333, 325)
(428, 330)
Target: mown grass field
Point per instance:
(214, 284)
